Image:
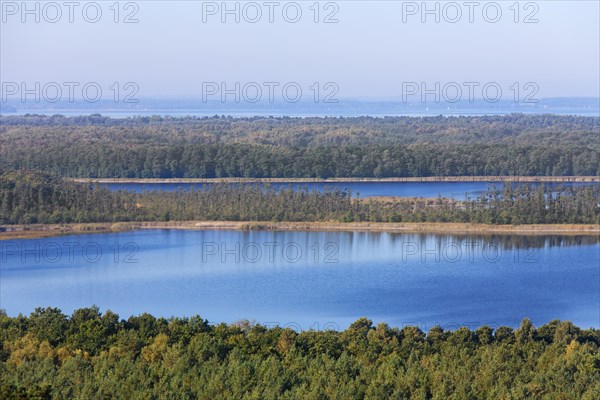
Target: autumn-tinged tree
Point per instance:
(187, 358)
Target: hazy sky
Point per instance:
(373, 48)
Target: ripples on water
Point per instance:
(310, 279)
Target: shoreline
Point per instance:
(531, 179)
(38, 231)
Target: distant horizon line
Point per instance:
(366, 99)
(123, 115)
(350, 107)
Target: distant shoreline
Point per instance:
(36, 231)
(524, 179)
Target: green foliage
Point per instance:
(145, 357)
(31, 197)
(189, 147)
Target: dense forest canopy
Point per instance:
(33, 197)
(308, 131)
(167, 147)
(90, 355)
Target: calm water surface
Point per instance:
(305, 280)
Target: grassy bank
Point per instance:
(35, 231)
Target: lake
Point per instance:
(454, 190)
(304, 280)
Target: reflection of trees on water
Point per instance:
(505, 242)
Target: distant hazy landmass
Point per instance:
(350, 107)
(7, 108)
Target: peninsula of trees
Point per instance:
(36, 198)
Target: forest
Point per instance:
(28, 197)
(95, 355)
(90, 355)
(284, 147)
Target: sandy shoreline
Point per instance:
(556, 179)
(8, 232)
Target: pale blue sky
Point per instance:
(368, 53)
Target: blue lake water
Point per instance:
(318, 280)
(455, 190)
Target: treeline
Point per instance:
(33, 197)
(103, 160)
(90, 355)
(309, 131)
(156, 147)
